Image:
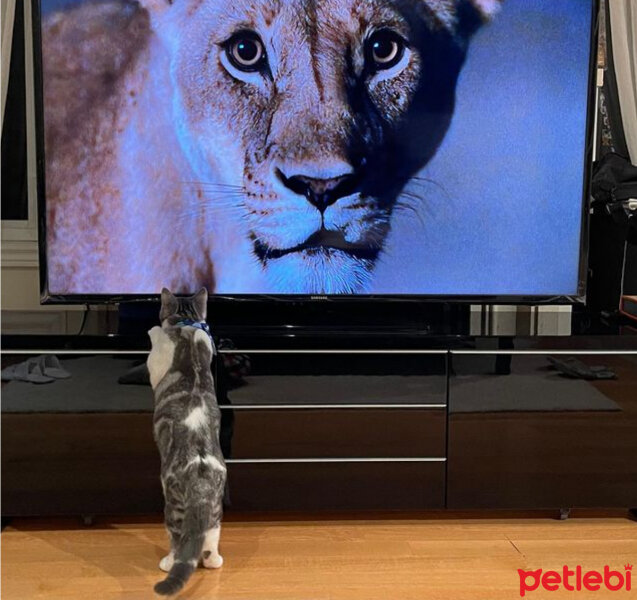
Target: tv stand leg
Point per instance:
(565, 513)
(88, 520)
(633, 513)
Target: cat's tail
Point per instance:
(187, 552)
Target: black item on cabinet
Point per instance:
(614, 185)
(606, 262)
(613, 233)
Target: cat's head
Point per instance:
(311, 116)
(175, 309)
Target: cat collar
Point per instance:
(196, 324)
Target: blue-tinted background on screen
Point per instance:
(507, 219)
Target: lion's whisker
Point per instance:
(227, 202)
(214, 184)
(429, 181)
(413, 204)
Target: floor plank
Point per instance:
(429, 556)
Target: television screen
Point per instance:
(373, 147)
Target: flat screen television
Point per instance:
(314, 148)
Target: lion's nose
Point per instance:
(320, 192)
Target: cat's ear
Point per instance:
(169, 304)
(200, 303)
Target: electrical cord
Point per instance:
(83, 324)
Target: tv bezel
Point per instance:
(72, 299)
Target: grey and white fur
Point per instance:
(186, 430)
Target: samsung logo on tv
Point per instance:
(318, 297)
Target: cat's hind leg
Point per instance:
(166, 563)
(210, 557)
(173, 528)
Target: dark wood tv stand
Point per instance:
(340, 421)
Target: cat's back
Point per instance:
(187, 417)
(180, 366)
(194, 354)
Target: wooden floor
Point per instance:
(415, 557)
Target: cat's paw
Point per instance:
(166, 563)
(212, 561)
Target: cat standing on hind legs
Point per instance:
(186, 429)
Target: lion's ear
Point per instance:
(462, 18)
(473, 14)
(155, 7)
(487, 8)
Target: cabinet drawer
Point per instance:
(60, 464)
(308, 433)
(337, 486)
(309, 378)
(522, 435)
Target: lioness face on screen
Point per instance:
(318, 112)
(302, 122)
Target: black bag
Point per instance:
(614, 188)
(613, 233)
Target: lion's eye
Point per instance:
(384, 49)
(246, 52)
